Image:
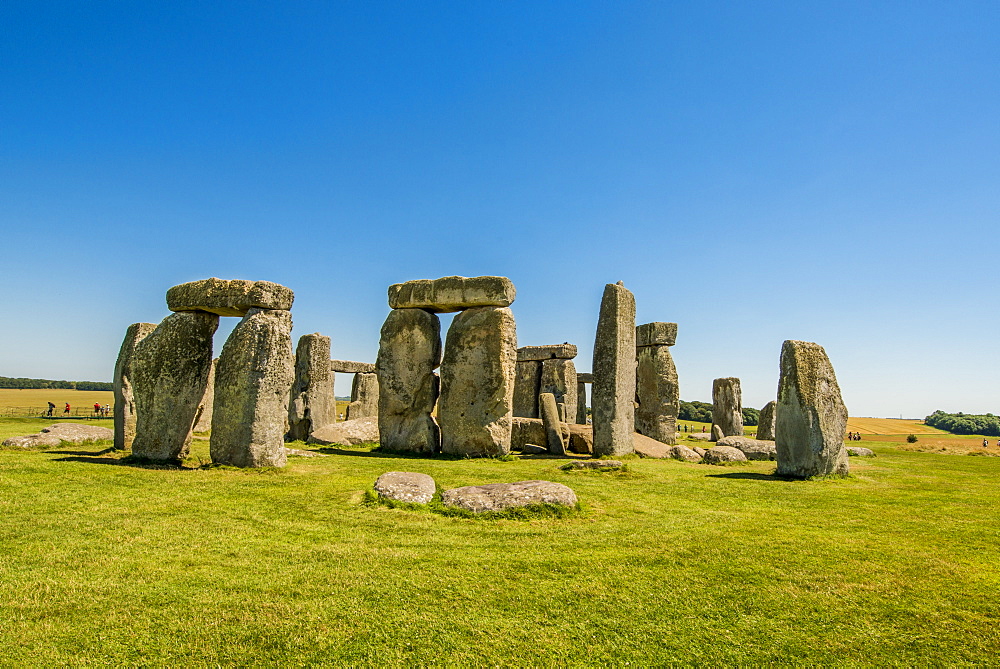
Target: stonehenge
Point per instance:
(613, 396)
(313, 404)
(765, 424)
(657, 393)
(727, 408)
(124, 412)
(364, 387)
(810, 417)
(547, 369)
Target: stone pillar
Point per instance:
(811, 418)
(553, 427)
(253, 381)
(364, 396)
(657, 390)
(765, 425)
(170, 371)
(727, 407)
(203, 423)
(477, 382)
(312, 404)
(559, 378)
(581, 403)
(527, 381)
(409, 352)
(124, 410)
(613, 391)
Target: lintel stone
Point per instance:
(229, 297)
(655, 334)
(452, 293)
(351, 367)
(561, 351)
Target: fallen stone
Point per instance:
(124, 411)
(534, 449)
(499, 496)
(613, 392)
(581, 438)
(657, 393)
(406, 487)
(557, 351)
(364, 396)
(701, 436)
(681, 452)
(648, 447)
(810, 419)
(719, 454)
(253, 381)
(860, 451)
(727, 407)
(699, 450)
(717, 433)
(765, 424)
(526, 431)
(312, 404)
(298, 452)
(593, 464)
(55, 434)
(527, 383)
(656, 334)
(351, 367)
(754, 449)
(452, 293)
(229, 297)
(348, 432)
(553, 426)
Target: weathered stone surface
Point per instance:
(754, 449)
(409, 352)
(657, 392)
(681, 452)
(55, 434)
(452, 293)
(613, 392)
(858, 451)
(584, 377)
(253, 381)
(593, 464)
(351, 367)
(477, 383)
(719, 454)
(581, 438)
(364, 396)
(811, 418)
(527, 384)
(550, 419)
(717, 433)
(405, 487)
(302, 453)
(699, 450)
(559, 378)
(170, 371)
(124, 411)
(647, 447)
(765, 425)
(727, 407)
(229, 297)
(348, 432)
(526, 431)
(203, 422)
(581, 403)
(655, 334)
(535, 449)
(312, 404)
(498, 496)
(560, 351)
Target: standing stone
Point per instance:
(312, 404)
(124, 396)
(553, 428)
(581, 403)
(169, 374)
(559, 378)
(364, 396)
(717, 434)
(527, 382)
(253, 381)
(727, 406)
(409, 352)
(658, 394)
(613, 391)
(477, 383)
(811, 417)
(203, 423)
(765, 424)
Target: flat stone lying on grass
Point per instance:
(860, 451)
(594, 464)
(754, 449)
(719, 454)
(348, 433)
(533, 449)
(452, 293)
(56, 433)
(699, 450)
(303, 454)
(647, 447)
(405, 487)
(581, 438)
(229, 298)
(499, 496)
(680, 452)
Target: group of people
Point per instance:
(853, 436)
(986, 442)
(52, 409)
(101, 410)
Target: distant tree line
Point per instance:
(965, 423)
(701, 412)
(38, 384)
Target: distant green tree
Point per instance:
(751, 416)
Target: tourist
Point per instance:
(107, 409)
(97, 408)
(66, 409)
(52, 407)
(986, 443)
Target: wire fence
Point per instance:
(76, 413)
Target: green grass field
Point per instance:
(107, 563)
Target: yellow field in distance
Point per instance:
(890, 426)
(80, 401)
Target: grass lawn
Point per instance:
(107, 563)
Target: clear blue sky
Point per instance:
(753, 171)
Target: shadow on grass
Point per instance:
(107, 450)
(754, 476)
(127, 461)
(395, 455)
